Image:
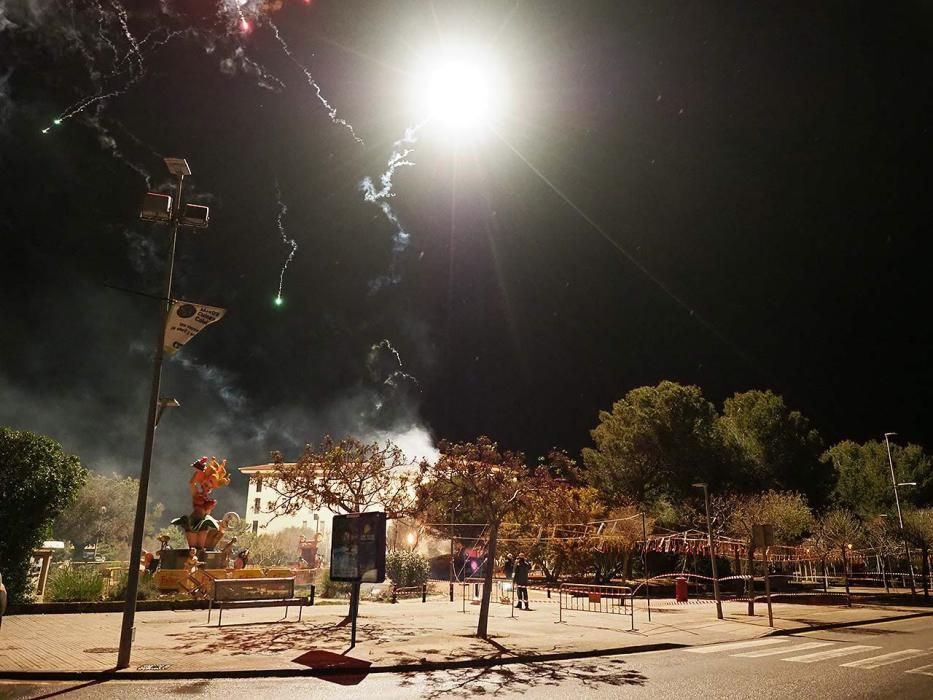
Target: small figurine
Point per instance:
(191, 563)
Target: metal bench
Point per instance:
(255, 593)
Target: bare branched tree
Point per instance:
(348, 476)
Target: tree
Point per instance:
(37, 481)
(348, 476)
(272, 548)
(476, 477)
(882, 538)
(653, 444)
(841, 531)
(863, 476)
(918, 527)
(550, 524)
(614, 545)
(103, 510)
(775, 447)
(787, 512)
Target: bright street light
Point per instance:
(459, 89)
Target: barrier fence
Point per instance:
(612, 600)
(423, 590)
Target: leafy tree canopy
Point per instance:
(774, 447)
(104, 508)
(863, 476)
(37, 481)
(653, 444)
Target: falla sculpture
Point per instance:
(202, 530)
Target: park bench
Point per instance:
(255, 593)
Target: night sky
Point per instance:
(727, 194)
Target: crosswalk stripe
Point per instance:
(831, 654)
(922, 670)
(885, 659)
(782, 650)
(713, 648)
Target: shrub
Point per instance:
(37, 481)
(407, 568)
(331, 589)
(145, 591)
(74, 583)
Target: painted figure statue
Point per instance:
(202, 530)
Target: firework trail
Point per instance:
(331, 111)
(280, 221)
(135, 69)
(401, 150)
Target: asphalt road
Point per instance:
(872, 661)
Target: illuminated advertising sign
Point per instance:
(358, 548)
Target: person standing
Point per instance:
(520, 580)
(509, 566)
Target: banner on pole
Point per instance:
(186, 320)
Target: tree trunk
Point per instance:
(825, 578)
(483, 624)
(750, 586)
(627, 566)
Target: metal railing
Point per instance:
(611, 600)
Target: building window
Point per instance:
(255, 527)
(259, 484)
(256, 506)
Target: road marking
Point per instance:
(885, 659)
(831, 654)
(782, 650)
(922, 670)
(713, 648)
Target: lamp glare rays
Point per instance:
(631, 258)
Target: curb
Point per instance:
(423, 667)
(838, 625)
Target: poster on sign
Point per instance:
(358, 548)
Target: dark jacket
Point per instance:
(508, 568)
(520, 577)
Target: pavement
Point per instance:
(408, 636)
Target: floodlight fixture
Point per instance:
(699, 485)
(156, 208)
(890, 434)
(195, 216)
(907, 483)
(163, 404)
(177, 167)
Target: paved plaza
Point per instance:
(410, 632)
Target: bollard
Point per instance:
(424, 593)
(394, 596)
(680, 589)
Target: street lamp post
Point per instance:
(162, 209)
(712, 549)
(900, 518)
